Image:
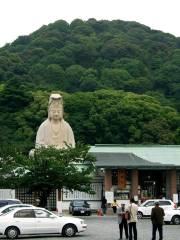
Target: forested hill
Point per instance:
(91, 55)
(87, 56)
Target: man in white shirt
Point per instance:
(133, 209)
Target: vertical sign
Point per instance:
(122, 179)
(109, 196)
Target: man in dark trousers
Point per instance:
(104, 205)
(122, 220)
(157, 216)
(132, 209)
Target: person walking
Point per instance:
(132, 209)
(157, 217)
(122, 220)
(104, 205)
(114, 206)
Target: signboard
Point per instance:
(122, 179)
(109, 196)
(175, 198)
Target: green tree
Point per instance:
(89, 81)
(73, 76)
(114, 78)
(55, 75)
(48, 169)
(14, 96)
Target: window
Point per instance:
(42, 214)
(7, 209)
(27, 213)
(78, 203)
(163, 203)
(13, 202)
(150, 203)
(3, 203)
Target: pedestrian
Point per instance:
(132, 209)
(104, 205)
(122, 220)
(157, 217)
(114, 206)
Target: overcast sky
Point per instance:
(22, 17)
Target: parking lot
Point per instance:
(106, 228)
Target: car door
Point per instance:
(25, 220)
(46, 222)
(148, 207)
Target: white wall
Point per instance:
(7, 193)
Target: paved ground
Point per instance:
(106, 228)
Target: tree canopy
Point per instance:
(120, 81)
(48, 169)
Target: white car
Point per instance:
(144, 210)
(9, 208)
(172, 216)
(34, 221)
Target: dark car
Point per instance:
(79, 207)
(5, 202)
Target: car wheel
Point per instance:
(176, 220)
(69, 230)
(12, 232)
(139, 215)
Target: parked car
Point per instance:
(79, 207)
(144, 210)
(33, 221)
(8, 208)
(172, 216)
(5, 202)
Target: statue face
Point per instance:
(56, 113)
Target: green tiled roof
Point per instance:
(144, 156)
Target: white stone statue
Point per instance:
(55, 131)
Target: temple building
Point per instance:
(145, 171)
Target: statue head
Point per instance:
(55, 107)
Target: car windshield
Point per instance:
(79, 203)
(8, 209)
(3, 214)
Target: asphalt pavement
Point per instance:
(106, 228)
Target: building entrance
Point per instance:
(152, 184)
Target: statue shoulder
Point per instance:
(44, 123)
(66, 124)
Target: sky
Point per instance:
(22, 17)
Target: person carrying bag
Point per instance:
(122, 220)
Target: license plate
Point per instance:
(82, 211)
